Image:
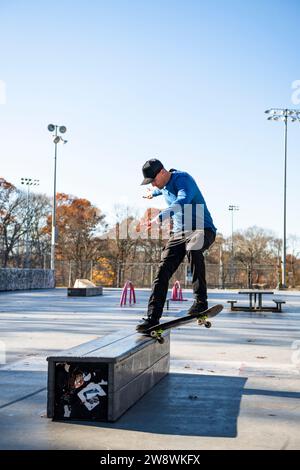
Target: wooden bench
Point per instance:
(101, 379)
(278, 303)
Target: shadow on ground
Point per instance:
(186, 405)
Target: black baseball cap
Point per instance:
(150, 169)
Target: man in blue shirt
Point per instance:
(193, 232)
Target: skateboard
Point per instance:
(156, 331)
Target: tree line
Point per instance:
(88, 247)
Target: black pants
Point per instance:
(193, 245)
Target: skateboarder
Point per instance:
(193, 232)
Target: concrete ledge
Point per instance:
(101, 379)
(84, 291)
(24, 279)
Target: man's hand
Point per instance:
(148, 195)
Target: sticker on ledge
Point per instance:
(90, 395)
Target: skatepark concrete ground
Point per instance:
(234, 386)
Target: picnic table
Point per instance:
(255, 301)
(257, 294)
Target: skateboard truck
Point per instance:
(157, 334)
(202, 320)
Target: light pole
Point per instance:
(284, 114)
(232, 208)
(57, 138)
(28, 182)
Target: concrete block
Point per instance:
(101, 379)
(84, 291)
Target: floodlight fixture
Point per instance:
(285, 115)
(56, 140)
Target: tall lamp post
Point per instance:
(232, 208)
(284, 115)
(28, 182)
(57, 138)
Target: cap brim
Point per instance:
(147, 181)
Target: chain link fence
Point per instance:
(108, 273)
(142, 274)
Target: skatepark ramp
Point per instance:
(99, 380)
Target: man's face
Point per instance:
(159, 180)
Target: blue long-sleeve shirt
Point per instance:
(186, 204)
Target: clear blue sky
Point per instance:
(185, 81)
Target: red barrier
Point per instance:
(177, 292)
(128, 285)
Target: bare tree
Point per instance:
(12, 219)
(39, 210)
(293, 261)
(122, 246)
(253, 246)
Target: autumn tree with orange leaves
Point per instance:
(79, 226)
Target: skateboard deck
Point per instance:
(156, 331)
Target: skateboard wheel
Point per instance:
(161, 340)
(207, 324)
(153, 334)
